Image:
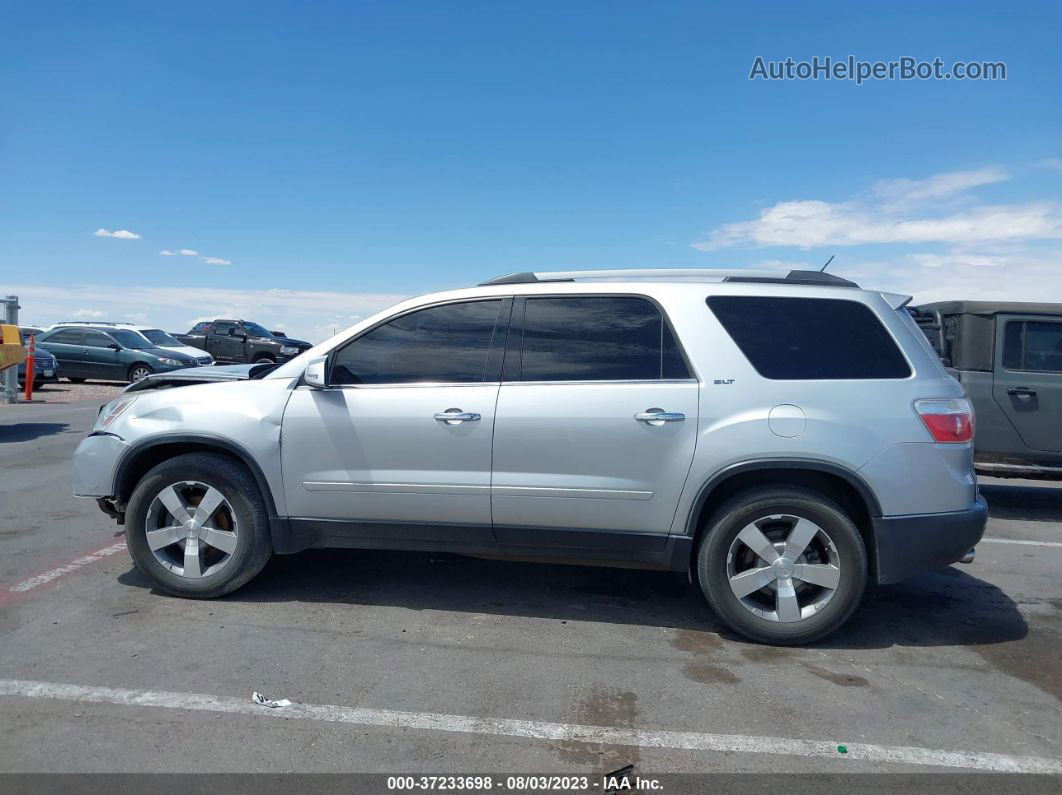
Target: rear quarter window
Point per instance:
(810, 338)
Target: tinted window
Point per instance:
(444, 344)
(130, 339)
(256, 331)
(68, 336)
(93, 339)
(222, 328)
(597, 339)
(809, 338)
(1033, 346)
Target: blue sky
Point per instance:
(337, 155)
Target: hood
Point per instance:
(290, 341)
(200, 375)
(187, 350)
(169, 353)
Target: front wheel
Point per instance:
(265, 360)
(198, 527)
(783, 566)
(138, 372)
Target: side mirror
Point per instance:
(114, 346)
(315, 373)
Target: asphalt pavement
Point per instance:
(444, 664)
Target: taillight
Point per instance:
(947, 420)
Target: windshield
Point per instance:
(159, 337)
(255, 330)
(129, 339)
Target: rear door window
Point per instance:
(94, 339)
(222, 329)
(598, 338)
(69, 336)
(1033, 346)
(810, 338)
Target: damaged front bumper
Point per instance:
(95, 462)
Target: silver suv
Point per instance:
(783, 437)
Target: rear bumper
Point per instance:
(909, 544)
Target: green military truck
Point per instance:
(1008, 356)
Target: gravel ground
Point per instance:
(65, 392)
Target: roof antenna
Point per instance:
(824, 267)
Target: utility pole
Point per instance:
(11, 373)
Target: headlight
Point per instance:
(113, 410)
(289, 350)
(172, 362)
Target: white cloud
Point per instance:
(216, 261)
(1052, 163)
(121, 234)
(88, 313)
(896, 211)
(167, 253)
(908, 191)
(971, 275)
(187, 252)
(299, 311)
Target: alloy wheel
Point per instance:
(191, 529)
(783, 568)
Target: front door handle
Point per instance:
(655, 416)
(456, 416)
(1021, 391)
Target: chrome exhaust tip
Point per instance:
(968, 557)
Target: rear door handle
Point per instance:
(456, 416)
(656, 416)
(1021, 391)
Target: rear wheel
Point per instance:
(138, 372)
(197, 526)
(784, 566)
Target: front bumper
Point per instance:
(909, 544)
(95, 461)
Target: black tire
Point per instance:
(265, 359)
(719, 538)
(138, 372)
(253, 544)
(75, 380)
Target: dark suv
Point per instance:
(108, 354)
(1008, 356)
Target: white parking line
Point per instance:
(537, 730)
(1021, 542)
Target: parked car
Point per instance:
(156, 337)
(783, 437)
(1008, 357)
(45, 366)
(241, 341)
(107, 353)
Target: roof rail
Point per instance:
(90, 323)
(740, 275)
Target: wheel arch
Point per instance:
(839, 483)
(142, 457)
